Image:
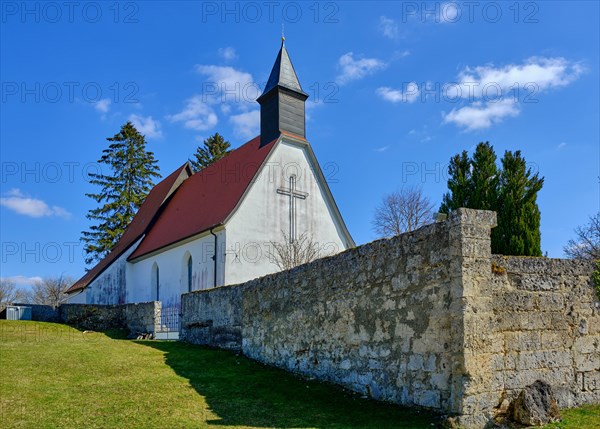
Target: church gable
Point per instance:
(288, 198)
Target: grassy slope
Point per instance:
(56, 376)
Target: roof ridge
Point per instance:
(206, 199)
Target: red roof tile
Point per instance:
(206, 199)
(138, 225)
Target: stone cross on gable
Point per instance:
(293, 195)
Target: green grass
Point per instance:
(586, 417)
(55, 376)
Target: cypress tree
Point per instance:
(459, 183)
(122, 192)
(484, 177)
(518, 213)
(511, 191)
(214, 148)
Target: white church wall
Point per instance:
(264, 214)
(109, 287)
(76, 298)
(171, 267)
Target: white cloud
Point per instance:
(480, 115)
(561, 146)
(409, 95)
(382, 149)
(146, 125)
(197, 115)
(246, 124)
(21, 281)
(226, 91)
(354, 69)
(400, 54)
(20, 203)
(449, 13)
(534, 75)
(227, 85)
(312, 104)
(388, 27)
(103, 106)
(228, 53)
(496, 93)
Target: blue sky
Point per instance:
(396, 88)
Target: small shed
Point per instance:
(18, 312)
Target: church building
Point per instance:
(216, 227)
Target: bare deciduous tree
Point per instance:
(50, 291)
(289, 254)
(9, 292)
(586, 244)
(402, 211)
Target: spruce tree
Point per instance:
(132, 170)
(214, 148)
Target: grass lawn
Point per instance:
(56, 376)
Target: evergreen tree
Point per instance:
(484, 177)
(477, 183)
(215, 148)
(132, 170)
(518, 230)
(459, 183)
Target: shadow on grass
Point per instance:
(245, 393)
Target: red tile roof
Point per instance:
(206, 199)
(139, 224)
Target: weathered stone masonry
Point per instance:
(535, 319)
(428, 318)
(137, 317)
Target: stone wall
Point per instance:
(143, 316)
(94, 317)
(383, 319)
(139, 317)
(44, 313)
(428, 318)
(533, 319)
(213, 318)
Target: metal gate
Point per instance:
(170, 323)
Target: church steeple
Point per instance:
(282, 101)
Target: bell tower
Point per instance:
(282, 102)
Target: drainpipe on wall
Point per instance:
(214, 258)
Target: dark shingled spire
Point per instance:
(282, 101)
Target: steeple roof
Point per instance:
(283, 73)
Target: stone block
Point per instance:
(556, 340)
(544, 359)
(415, 362)
(590, 381)
(427, 398)
(587, 362)
(587, 344)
